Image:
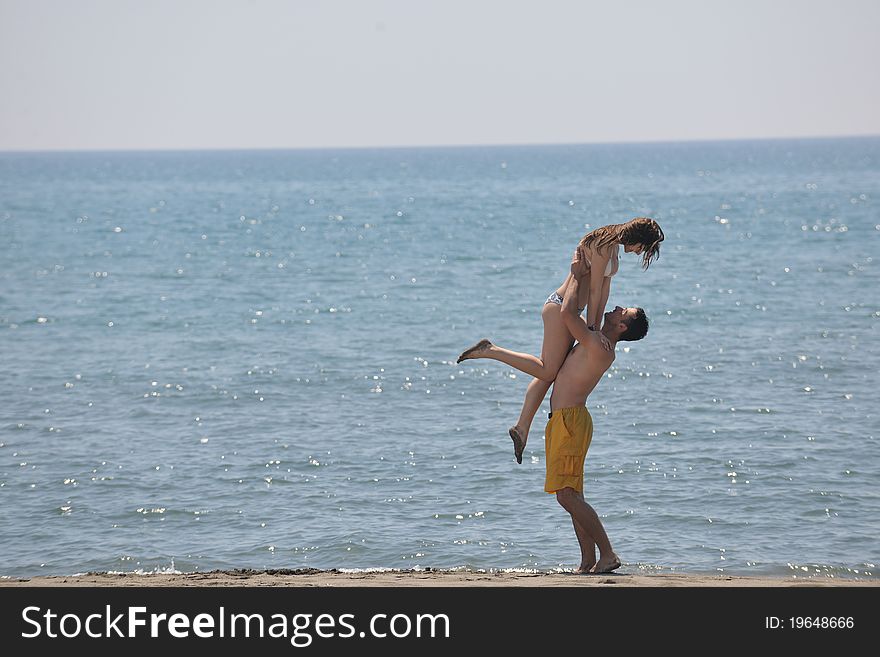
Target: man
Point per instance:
(570, 427)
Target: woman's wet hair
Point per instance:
(641, 230)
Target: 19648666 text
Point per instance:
(809, 623)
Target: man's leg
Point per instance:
(588, 549)
(584, 515)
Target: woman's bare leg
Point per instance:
(557, 343)
(527, 363)
(519, 432)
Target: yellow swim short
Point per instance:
(567, 439)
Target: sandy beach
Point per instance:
(421, 578)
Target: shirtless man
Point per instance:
(570, 427)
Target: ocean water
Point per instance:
(247, 359)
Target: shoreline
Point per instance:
(422, 578)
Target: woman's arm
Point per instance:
(579, 273)
(599, 260)
(603, 301)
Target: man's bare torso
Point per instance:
(580, 373)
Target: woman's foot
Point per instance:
(476, 351)
(585, 569)
(519, 437)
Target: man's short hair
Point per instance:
(637, 327)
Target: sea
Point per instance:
(247, 359)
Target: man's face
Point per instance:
(620, 315)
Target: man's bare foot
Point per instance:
(585, 569)
(519, 442)
(476, 351)
(606, 565)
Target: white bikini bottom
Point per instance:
(555, 298)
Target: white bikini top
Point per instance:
(613, 263)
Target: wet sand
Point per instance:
(424, 578)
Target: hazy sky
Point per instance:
(179, 74)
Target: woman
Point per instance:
(641, 236)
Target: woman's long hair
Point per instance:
(640, 230)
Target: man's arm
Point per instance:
(573, 321)
(570, 315)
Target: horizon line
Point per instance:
(222, 149)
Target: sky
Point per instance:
(229, 74)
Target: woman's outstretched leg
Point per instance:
(556, 345)
(531, 365)
(557, 342)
